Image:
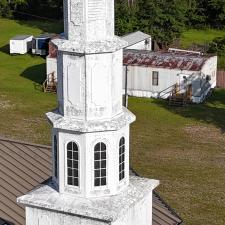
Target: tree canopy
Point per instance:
(6, 6)
(165, 20)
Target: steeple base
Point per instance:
(45, 206)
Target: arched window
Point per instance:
(55, 156)
(100, 164)
(72, 164)
(122, 159)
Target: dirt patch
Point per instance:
(204, 134)
(5, 103)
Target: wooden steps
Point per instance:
(178, 102)
(50, 88)
(50, 84)
(180, 97)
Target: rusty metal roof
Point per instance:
(24, 166)
(166, 60)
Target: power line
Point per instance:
(35, 16)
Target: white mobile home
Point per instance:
(20, 44)
(138, 40)
(158, 74)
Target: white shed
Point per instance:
(138, 40)
(20, 44)
(157, 74)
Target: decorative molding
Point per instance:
(71, 124)
(79, 46)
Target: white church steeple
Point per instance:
(90, 128)
(90, 136)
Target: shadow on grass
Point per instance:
(211, 112)
(5, 49)
(45, 26)
(37, 74)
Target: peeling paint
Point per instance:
(107, 208)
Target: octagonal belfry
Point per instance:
(90, 136)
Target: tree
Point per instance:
(126, 17)
(164, 20)
(6, 6)
(210, 13)
(195, 13)
(217, 46)
(215, 10)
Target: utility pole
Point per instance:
(130, 2)
(126, 95)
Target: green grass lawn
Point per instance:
(22, 106)
(184, 148)
(199, 36)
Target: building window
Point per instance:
(122, 159)
(147, 41)
(55, 156)
(100, 164)
(72, 164)
(155, 78)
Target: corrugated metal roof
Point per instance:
(24, 166)
(135, 37)
(166, 60)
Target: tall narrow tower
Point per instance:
(90, 182)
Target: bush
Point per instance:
(217, 46)
(5, 9)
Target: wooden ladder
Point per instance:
(50, 84)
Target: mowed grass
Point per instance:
(194, 36)
(22, 103)
(184, 148)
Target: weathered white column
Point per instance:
(88, 20)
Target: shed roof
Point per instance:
(45, 36)
(135, 37)
(167, 60)
(21, 37)
(24, 166)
